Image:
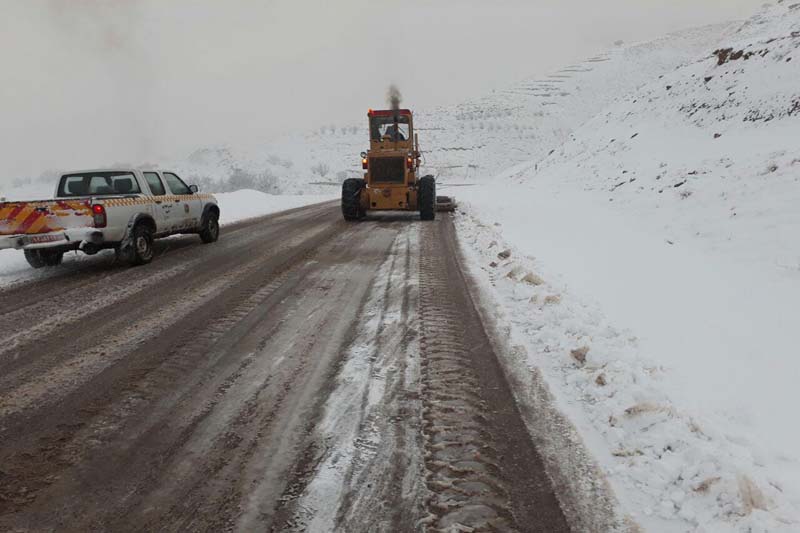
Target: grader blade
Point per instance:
(445, 203)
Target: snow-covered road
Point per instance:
(302, 373)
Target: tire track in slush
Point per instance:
(462, 472)
(72, 373)
(199, 482)
(383, 489)
(149, 374)
(255, 422)
(440, 448)
(338, 377)
(482, 471)
(44, 313)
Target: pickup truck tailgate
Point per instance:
(31, 218)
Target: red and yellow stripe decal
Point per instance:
(21, 218)
(40, 217)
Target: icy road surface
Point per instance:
(302, 374)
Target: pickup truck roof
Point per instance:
(102, 183)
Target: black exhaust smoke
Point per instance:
(393, 97)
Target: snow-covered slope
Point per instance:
(470, 141)
(465, 142)
(662, 244)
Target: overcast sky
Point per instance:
(91, 82)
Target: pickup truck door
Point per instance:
(187, 206)
(164, 211)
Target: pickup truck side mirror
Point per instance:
(194, 188)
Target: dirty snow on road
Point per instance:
(371, 471)
(421, 431)
(302, 374)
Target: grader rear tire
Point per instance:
(351, 199)
(427, 198)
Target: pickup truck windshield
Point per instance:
(98, 184)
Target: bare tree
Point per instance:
(321, 169)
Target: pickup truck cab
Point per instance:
(122, 209)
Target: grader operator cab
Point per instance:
(391, 179)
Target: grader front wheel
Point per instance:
(351, 199)
(427, 198)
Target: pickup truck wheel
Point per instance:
(34, 258)
(210, 231)
(52, 259)
(142, 245)
(43, 258)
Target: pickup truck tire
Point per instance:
(43, 258)
(210, 231)
(142, 245)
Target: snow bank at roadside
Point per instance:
(244, 204)
(29, 191)
(678, 457)
(654, 277)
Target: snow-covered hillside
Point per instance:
(654, 278)
(466, 142)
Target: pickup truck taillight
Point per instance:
(99, 214)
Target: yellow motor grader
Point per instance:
(391, 179)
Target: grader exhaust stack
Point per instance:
(391, 168)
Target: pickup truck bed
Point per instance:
(34, 221)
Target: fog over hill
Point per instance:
(90, 83)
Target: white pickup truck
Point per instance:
(98, 209)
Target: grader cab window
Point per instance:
(384, 128)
